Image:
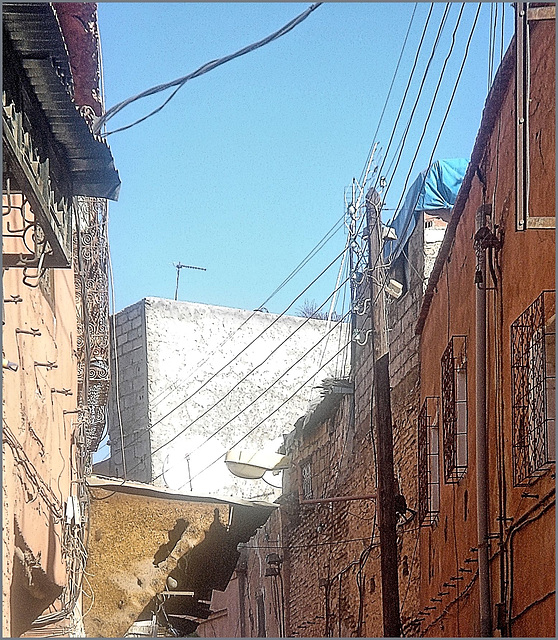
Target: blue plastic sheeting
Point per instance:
(435, 188)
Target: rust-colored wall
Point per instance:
(78, 21)
(526, 269)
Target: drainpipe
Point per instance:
(481, 431)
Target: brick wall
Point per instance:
(330, 551)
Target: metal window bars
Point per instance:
(454, 409)
(91, 273)
(533, 372)
(428, 462)
(306, 472)
(36, 199)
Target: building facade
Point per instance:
(314, 568)
(193, 381)
(487, 417)
(57, 177)
(471, 336)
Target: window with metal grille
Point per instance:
(533, 367)
(306, 472)
(428, 462)
(454, 409)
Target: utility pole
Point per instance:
(183, 266)
(381, 424)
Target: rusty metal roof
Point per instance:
(35, 33)
(150, 490)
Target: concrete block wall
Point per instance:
(403, 312)
(130, 367)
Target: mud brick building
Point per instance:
(471, 335)
(487, 332)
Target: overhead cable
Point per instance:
(419, 92)
(255, 368)
(405, 93)
(370, 153)
(448, 108)
(429, 115)
(250, 431)
(180, 82)
(251, 342)
(266, 390)
(180, 381)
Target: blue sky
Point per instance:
(245, 170)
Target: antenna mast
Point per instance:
(183, 266)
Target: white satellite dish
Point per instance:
(252, 465)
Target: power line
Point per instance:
(253, 402)
(335, 355)
(406, 91)
(432, 103)
(389, 92)
(247, 346)
(456, 84)
(214, 375)
(250, 343)
(307, 546)
(402, 234)
(384, 284)
(401, 145)
(324, 240)
(180, 82)
(237, 384)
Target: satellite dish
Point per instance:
(252, 465)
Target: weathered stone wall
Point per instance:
(124, 571)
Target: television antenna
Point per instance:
(180, 266)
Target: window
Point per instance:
(454, 409)
(260, 609)
(534, 86)
(533, 370)
(399, 270)
(428, 462)
(306, 472)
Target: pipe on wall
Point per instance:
(485, 609)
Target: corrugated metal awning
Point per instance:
(35, 33)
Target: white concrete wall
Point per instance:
(186, 346)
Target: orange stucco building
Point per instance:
(57, 177)
(486, 425)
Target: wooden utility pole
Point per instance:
(381, 425)
(385, 502)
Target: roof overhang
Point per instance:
(35, 33)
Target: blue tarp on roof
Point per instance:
(434, 188)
